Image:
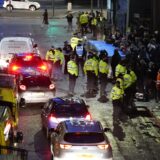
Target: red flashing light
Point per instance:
(53, 119)
(43, 67)
(15, 68)
(22, 87)
(88, 117)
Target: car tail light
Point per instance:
(52, 118)
(22, 87)
(65, 146)
(43, 67)
(103, 146)
(51, 86)
(14, 68)
(88, 117)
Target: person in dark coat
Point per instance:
(45, 17)
(116, 58)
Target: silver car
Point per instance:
(81, 140)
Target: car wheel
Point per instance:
(32, 8)
(9, 7)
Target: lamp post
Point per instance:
(53, 3)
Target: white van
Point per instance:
(13, 45)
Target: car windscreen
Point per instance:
(84, 137)
(22, 61)
(14, 47)
(68, 110)
(7, 82)
(33, 81)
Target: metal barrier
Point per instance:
(12, 153)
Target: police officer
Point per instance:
(80, 53)
(72, 69)
(50, 59)
(74, 40)
(91, 70)
(120, 68)
(58, 61)
(103, 74)
(94, 26)
(117, 99)
(83, 22)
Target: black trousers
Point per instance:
(91, 78)
(72, 83)
(103, 83)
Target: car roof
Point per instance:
(16, 39)
(61, 101)
(102, 45)
(83, 126)
(22, 54)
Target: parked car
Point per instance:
(35, 89)
(21, 4)
(27, 64)
(59, 109)
(80, 140)
(13, 45)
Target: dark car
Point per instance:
(61, 109)
(27, 64)
(80, 140)
(35, 89)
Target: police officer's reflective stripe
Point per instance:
(79, 51)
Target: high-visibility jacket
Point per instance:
(103, 67)
(59, 56)
(133, 76)
(91, 65)
(72, 68)
(83, 18)
(116, 93)
(94, 22)
(120, 80)
(120, 70)
(74, 42)
(127, 80)
(49, 55)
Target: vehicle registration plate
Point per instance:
(38, 94)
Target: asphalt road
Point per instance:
(138, 138)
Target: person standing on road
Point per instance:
(80, 53)
(67, 51)
(83, 22)
(72, 69)
(69, 18)
(45, 17)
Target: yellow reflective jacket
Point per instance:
(91, 65)
(58, 56)
(120, 70)
(74, 42)
(94, 22)
(116, 93)
(83, 18)
(103, 67)
(49, 55)
(120, 80)
(133, 75)
(127, 80)
(72, 68)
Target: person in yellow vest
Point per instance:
(57, 65)
(72, 69)
(91, 70)
(83, 22)
(120, 68)
(74, 40)
(103, 74)
(94, 26)
(50, 59)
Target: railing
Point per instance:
(12, 153)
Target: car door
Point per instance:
(17, 4)
(45, 113)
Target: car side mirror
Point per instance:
(35, 45)
(106, 129)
